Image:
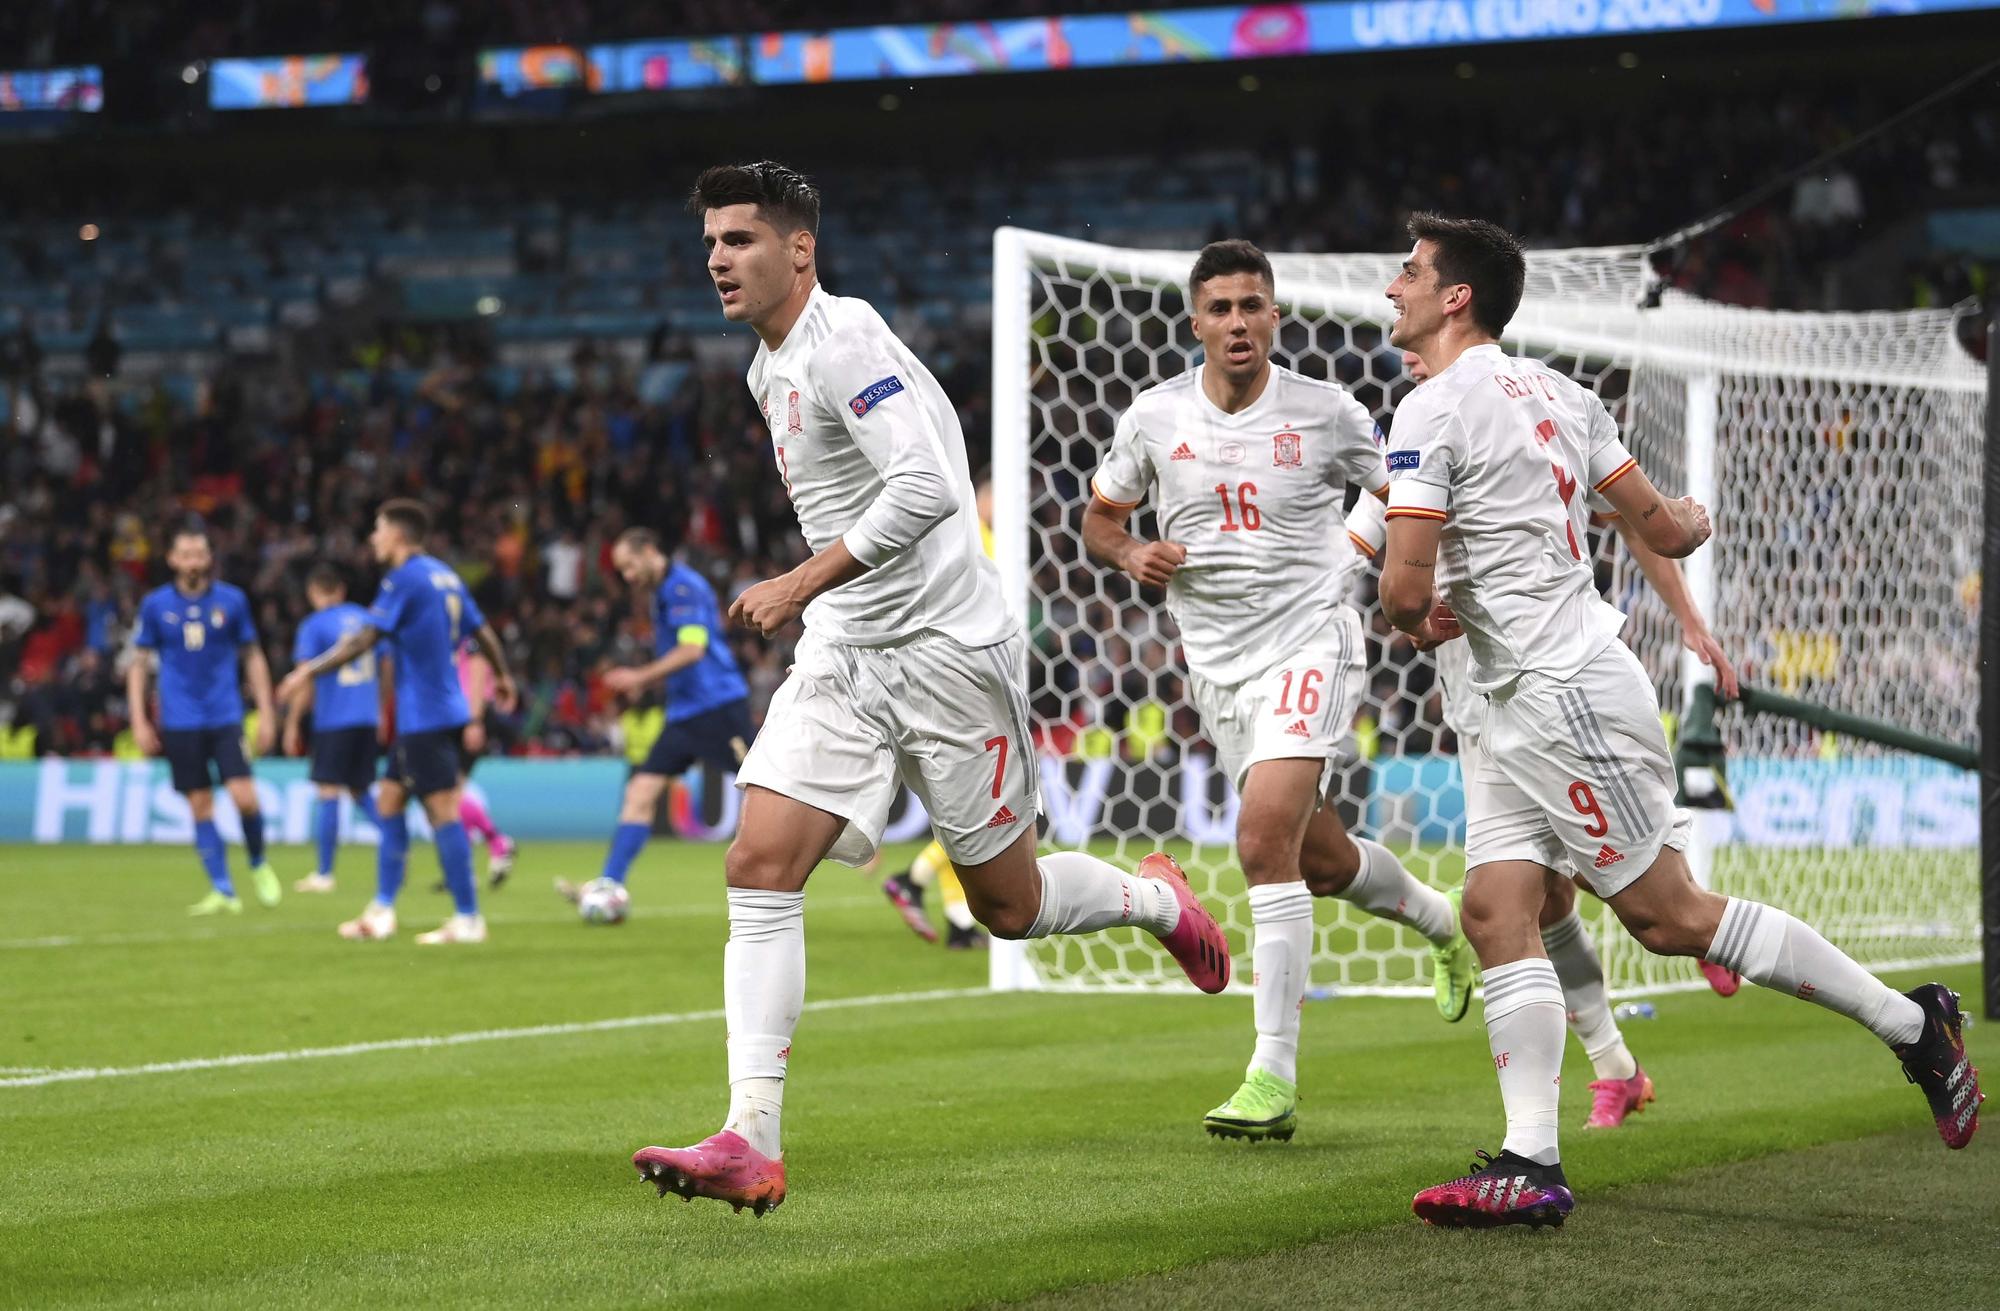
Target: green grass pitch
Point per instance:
(961, 1149)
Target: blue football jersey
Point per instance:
(349, 697)
(198, 639)
(425, 608)
(684, 604)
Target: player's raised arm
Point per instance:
(1117, 489)
(862, 381)
(1671, 528)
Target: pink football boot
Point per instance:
(1611, 1100)
(1197, 942)
(722, 1166)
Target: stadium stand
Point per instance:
(546, 365)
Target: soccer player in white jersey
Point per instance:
(1620, 1086)
(1486, 461)
(1249, 464)
(910, 668)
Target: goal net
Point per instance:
(1840, 455)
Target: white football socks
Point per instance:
(1582, 975)
(1280, 958)
(763, 992)
(1774, 950)
(1524, 1029)
(1081, 893)
(1382, 887)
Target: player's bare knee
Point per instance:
(202, 806)
(758, 867)
(1266, 858)
(1668, 938)
(1009, 920)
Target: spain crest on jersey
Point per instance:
(1286, 451)
(793, 424)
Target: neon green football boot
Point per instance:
(1264, 1107)
(1454, 966)
(265, 880)
(215, 904)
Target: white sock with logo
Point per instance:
(1280, 958)
(1524, 1029)
(1383, 888)
(763, 993)
(1774, 950)
(1081, 894)
(1582, 974)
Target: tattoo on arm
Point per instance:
(1650, 510)
(1419, 564)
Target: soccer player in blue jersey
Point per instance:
(346, 717)
(425, 610)
(196, 629)
(708, 703)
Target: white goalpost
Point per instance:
(1840, 455)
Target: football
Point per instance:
(603, 902)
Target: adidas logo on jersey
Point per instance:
(1298, 729)
(1001, 818)
(1183, 452)
(1606, 857)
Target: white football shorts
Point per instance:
(1301, 707)
(1575, 775)
(852, 723)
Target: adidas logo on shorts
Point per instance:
(1001, 818)
(1183, 452)
(1298, 729)
(1606, 856)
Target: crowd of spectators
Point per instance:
(532, 482)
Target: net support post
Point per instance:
(1703, 413)
(1989, 681)
(1008, 967)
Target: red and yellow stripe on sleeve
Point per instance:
(1616, 474)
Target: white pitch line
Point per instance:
(459, 1039)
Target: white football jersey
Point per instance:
(1506, 454)
(1256, 498)
(871, 453)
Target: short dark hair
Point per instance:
(1219, 259)
(639, 539)
(1484, 256)
(326, 577)
(191, 527)
(411, 517)
(783, 196)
